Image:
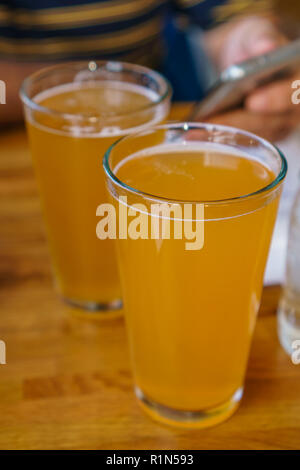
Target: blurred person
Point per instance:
(189, 41)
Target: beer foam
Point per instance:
(189, 147)
(77, 130)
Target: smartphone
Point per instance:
(238, 80)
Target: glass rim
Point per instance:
(116, 66)
(187, 126)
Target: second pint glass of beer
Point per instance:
(73, 113)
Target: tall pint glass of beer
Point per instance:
(74, 112)
(199, 202)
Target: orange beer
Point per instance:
(75, 112)
(191, 313)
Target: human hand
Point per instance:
(246, 38)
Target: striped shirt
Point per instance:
(130, 30)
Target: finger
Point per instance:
(275, 97)
(250, 37)
(263, 38)
(272, 129)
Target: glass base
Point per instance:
(95, 307)
(189, 419)
(288, 330)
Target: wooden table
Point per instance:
(67, 382)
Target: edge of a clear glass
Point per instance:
(127, 66)
(185, 127)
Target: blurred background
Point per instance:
(189, 41)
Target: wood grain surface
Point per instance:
(67, 382)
